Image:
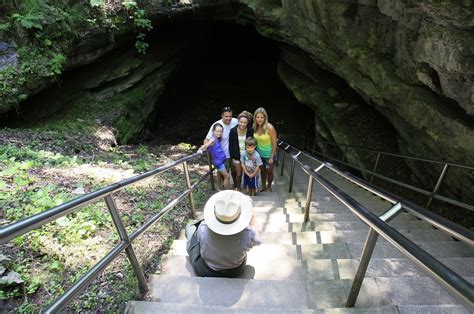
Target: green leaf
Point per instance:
(3, 185)
(97, 3)
(33, 286)
(9, 171)
(63, 222)
(21, 180)
(55, 266)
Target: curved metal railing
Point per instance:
(431, 194)
(19, 228)
(457, 286)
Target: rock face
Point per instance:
(410, 60)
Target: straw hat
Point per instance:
(228, 212)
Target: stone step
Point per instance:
(143, 307)
(350, 236)
(326, 269)
(387, 309)
(268, 197)
(273, 226)
(230, 292)
(415, 291)
(338, 236)
(258, 254)
(289, 238)
(294, 217)
(432, 309)
(451, 249)
(379, 292)
(287, 269)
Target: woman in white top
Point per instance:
(237, 137)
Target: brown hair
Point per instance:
(250, 141)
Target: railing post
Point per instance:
(277, 161)
(124, 237)
(308, 198)
(343, 156)
(292, 174)
(188, 184)
(325, 148)
(367, 254)
(375, 167)
(211, 174)
(363, 264)
(438, 184)
(282, 164)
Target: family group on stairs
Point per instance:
(218, 244)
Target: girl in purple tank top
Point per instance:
(218, 155)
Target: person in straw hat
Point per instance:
(218, 244)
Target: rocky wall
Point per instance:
(412, 61)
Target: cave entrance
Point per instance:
(229, 65)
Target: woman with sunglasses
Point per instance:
(266, 136)
(237, 137)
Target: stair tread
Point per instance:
(383, 250)
(288, 268)
(144, 307)
(230, 292)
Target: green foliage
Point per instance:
(97, 3)
(141, 22)
(29, 21)
(34, 63)
(44, 32)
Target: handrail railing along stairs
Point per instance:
(21, 227)
(433, 194)
(457, 286)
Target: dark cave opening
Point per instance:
(230, 65)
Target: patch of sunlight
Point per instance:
(101, 174)
(105, 138)
(86, 252)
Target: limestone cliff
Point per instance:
(412, 61)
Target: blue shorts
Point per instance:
(265, 161)
(220, 167)
(250, 183)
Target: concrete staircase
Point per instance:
(309, 267)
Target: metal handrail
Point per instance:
(460, 288)
(433, 194)
(19, 228)
(459, 232)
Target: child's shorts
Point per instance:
(250, 183)
(265, 161)
(220, 167)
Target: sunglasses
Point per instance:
(226, 109)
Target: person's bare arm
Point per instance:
(206, 144)
(273, 138)
(254, 223)
(244, 169)
(257, 169)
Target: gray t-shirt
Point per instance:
(225, 134)
(226, 252)
(251, 162)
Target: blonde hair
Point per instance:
(265, 123)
